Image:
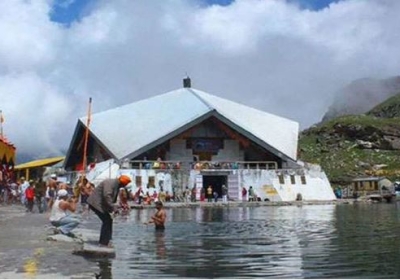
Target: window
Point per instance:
(292, 179)
(151, 182)
(281, 179)
(138, 181)
(303, 179)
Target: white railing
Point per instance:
(200, 165)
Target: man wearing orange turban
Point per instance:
(102, 201)
(124, 180)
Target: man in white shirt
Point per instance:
(61, 216)
(24, 185)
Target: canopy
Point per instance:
(39, 162)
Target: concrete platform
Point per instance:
(89, 247)
(93, 250)
(86, 235)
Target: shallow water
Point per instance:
(313, 241)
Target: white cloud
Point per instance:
(36, 113)
(28, 39)
(267, 54)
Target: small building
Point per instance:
(35, 169)
(189, 138)
(376, 188)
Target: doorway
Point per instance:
(216, 181)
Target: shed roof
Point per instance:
(39, 162)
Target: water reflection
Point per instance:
(160, 244)
(105, 269)
(320, 241)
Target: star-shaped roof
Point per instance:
(131, 129)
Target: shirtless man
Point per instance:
(158, 219)
(123, 200)
(51, 191)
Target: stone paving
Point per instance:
(26, 251)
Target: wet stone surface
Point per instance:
(25, 251)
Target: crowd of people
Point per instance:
(60, 199)
(108, 198)
(150, 196)
(41, 194)
(209, 194)
(28, 193)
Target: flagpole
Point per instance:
(84, 163)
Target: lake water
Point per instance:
(313, 241)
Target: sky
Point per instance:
(285, 57)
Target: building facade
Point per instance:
(189, 139)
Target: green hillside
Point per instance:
(352, 146)
(388, 109)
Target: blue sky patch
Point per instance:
(314, 5)
(305, 4)
(68, 11)
(218, 2)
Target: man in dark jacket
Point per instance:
(102, 201)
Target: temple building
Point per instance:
(7, 157)
(188, 138)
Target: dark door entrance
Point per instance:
(216, 182)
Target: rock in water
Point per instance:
(91, 250)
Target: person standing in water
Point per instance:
(102, 201)
(158, 219)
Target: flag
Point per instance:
(1, 117)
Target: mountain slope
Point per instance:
(387, 109)
(356, 145)
(361, 96)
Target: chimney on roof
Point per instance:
(186, 82)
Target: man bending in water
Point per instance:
(158, 219)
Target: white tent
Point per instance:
(103, 170)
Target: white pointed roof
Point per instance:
(127, 129)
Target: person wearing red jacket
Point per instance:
(30, 196)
